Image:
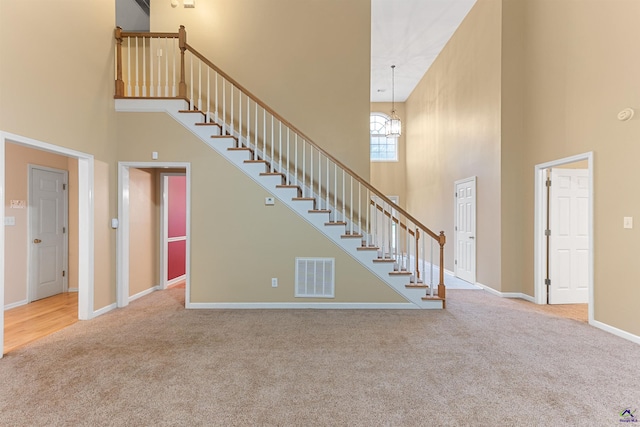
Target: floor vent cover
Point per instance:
(315, 277)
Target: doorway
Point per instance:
(465, 229)
(125, 215)
(173, 232)
(84, 212)
(563, 229)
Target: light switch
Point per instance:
(628, 222)
(269, 201)
(9, 220)
(154, 155)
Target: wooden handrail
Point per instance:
(310, 141)
(181, 35)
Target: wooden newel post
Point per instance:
(119, 81)
(441, 288)
(182, 43)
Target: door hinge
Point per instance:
(456, 194)
(63, 273)
(455, 262)
(64, 230)
(455, 227)
(548, 182)
(64, 186)
(547, 282)
(547, 232)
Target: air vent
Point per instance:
(315, 277)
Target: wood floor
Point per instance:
(38, 319)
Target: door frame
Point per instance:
(31, 287)
(122, 239)
(473, 179)
(540, 209)
(85, 221)
(164, 218)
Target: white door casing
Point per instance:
(569, 236)
(47, 232)
(465, 229)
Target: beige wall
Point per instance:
(583, 64)
(56, 86)
(16, 246)
(309, 60)
(520, 84)
(390, 177)
(144, 229)
(453, 133)
(237, 243)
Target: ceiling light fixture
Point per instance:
(393, 127)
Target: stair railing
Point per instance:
(164, 65)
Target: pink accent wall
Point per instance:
(177, 206)
(176, 255)
(177, 225)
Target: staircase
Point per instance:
(345, 208)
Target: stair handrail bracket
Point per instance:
(154, 65)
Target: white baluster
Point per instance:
(173, 51)
(208, 116)
(144, 68)
(304, 167)
(271, 160)
(367, 224)
(151, 86)
(224, 107)
(264, 134)
(344, 196)
(287, 160)
(280, 146)
(166, 67)
(295, 161)
(231, 106)
(431, 270)
(128, 66)
(200, 85)
(335, 191)
(311, 170)
(326, 203)
(255, 131)
(248, 122)
(159, 69)
(137, 89)
(319, 180)
(191, 83)
(216, 97)
(239, 116)
(351, 203)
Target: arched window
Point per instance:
(382, 149)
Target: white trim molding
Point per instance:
(105, 309)
(303, 305)
(506, 294)
(615, 331)
(143, 293)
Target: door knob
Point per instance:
(37, 241)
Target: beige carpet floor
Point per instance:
(485, 361)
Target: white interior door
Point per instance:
(47, 232)
(569, 236)
(465, 230)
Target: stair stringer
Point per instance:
(284, 195)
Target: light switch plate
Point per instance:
(9, 220)
(628, 222)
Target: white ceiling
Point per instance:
(409, 34)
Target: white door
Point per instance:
(465, 230)
(47, 211)
(569, 236)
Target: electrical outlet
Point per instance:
(628, 222)
(274, 282)
(269, 201)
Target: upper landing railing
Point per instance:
(164, 65)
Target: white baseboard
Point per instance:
(72, 290)
(301, 305)
(615, 331)
(15, 304)
(176, 280)
(143, 293)
(507, 294)
(104, 310)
